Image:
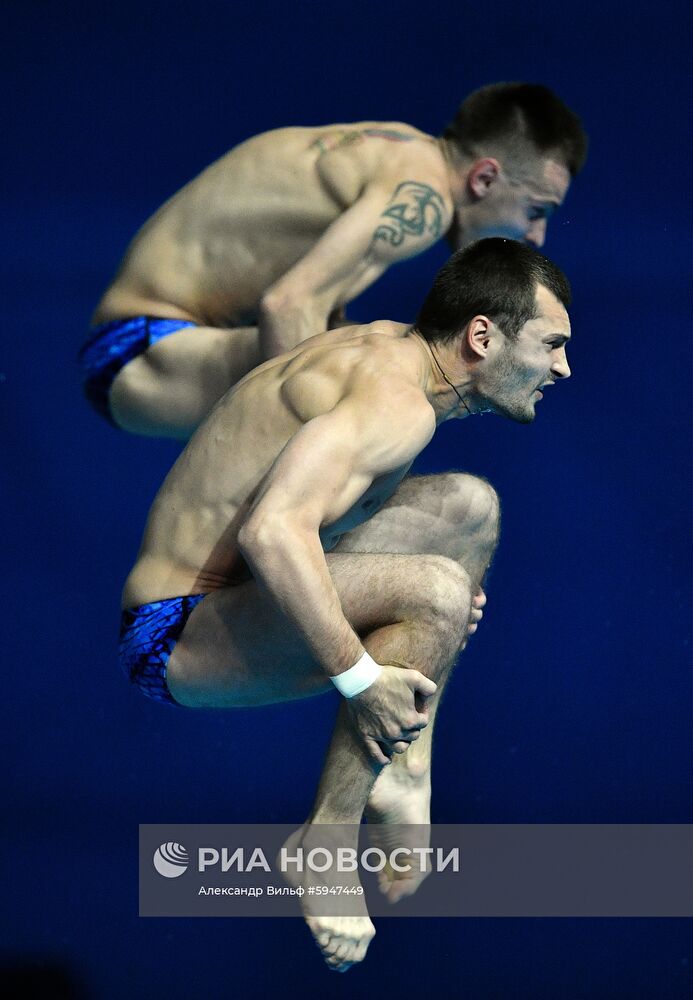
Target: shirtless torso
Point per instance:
(215, 248)
(191, 539)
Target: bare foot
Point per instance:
(475, 615)
(343, 940)
(399, 815)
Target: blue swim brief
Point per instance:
(147, 637)
(110, 347)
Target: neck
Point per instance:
(447, 389)
(456, 163)
(457, 170)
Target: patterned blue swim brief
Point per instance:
(110, 347)
(147, 637)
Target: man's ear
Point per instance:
(482, 176)
(478, 337)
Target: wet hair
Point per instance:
(495, 277)
(510, 112)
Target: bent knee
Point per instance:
(445, 589)
(472, 501)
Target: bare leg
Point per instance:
(455, 515)
(170, 389)
(414, 611)
(236, 649)
(348, 776)
(451, 514)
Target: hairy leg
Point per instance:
(455, 515)
(237, 649)
(452, 514)
(348, 776)
(170, 389)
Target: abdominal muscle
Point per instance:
(190, 544)
(155, 578)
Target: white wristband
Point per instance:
(357, 678)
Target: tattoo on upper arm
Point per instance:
(415, 209)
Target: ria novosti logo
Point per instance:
(171, 859)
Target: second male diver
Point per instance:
(268, 244)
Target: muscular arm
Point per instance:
(318, 477)
(389, 222)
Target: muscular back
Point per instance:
(190, 541)
(213, 249)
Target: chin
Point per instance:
(520, 414)
(523, 417)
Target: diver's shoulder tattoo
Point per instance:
(415, 209)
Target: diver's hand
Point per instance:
(386, 714)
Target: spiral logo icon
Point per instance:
(171, 860)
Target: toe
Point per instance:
(361, 950)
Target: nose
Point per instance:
(560, 367)
(536, 234)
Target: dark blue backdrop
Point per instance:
(573, 703)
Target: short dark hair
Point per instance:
(495, 277)
(504, 111)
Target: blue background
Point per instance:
(572, 704)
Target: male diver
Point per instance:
(288, 552)
(268, 244)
